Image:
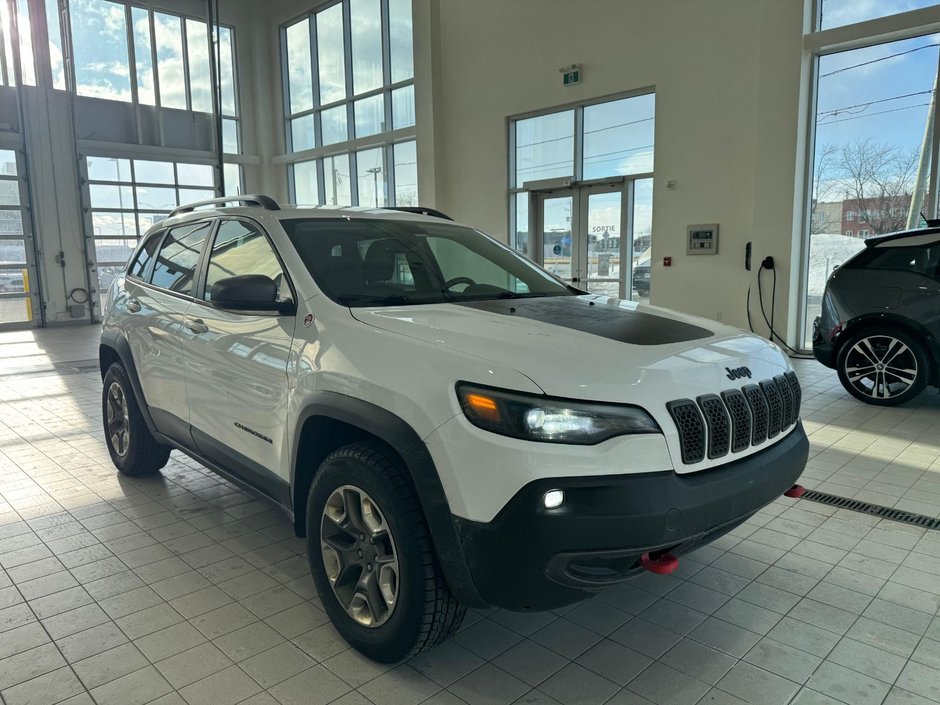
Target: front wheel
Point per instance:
(372, 558)
(882, 366)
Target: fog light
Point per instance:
(553, 499)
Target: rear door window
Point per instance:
(175, 268)
(139, 266)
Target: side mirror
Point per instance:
(247, 292)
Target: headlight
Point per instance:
(537, 418)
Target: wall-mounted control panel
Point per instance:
(703, 239)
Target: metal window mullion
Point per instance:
(347, 48)
(155, 63)
(4, 69)
(321, 184)
(132, 60)
(291, 184)
(42, 60)
(578, 152)
(285, 96)
(354, 178)
(626, 239)
(808, 186)
(132, 70)
(214, 37)
(187, 88)
(233, 42)
(391, 198)
(314, 61)
(934, 151)
(386, 64)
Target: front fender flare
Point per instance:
(402, 438)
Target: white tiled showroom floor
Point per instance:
(181, 588)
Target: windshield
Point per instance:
(390, 263)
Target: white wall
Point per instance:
(727, 76)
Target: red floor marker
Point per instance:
(796, 491)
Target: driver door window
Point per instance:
(241, 248)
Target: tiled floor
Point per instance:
(182, 589)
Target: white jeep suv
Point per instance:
(448, 424)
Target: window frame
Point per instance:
(575, 179)
(821, 42)
(385, 139)
(200, 281)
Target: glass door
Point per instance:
(18, 290)
(601, 249)
(579, 236)
(557, 214)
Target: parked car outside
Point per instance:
(880, 322)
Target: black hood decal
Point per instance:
(607, 320)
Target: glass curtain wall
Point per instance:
(349, 101)
(594, 141)
(127, 196)
(874, 150)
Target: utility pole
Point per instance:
(375, 171)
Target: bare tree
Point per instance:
(823, 218)
(877, 180)
(406, 198)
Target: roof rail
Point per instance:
(420, 210)
(252, 199)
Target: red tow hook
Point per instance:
(661, 565)
(796, 492)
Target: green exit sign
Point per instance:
(569, 78)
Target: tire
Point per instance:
(134, 450)
(883, 366)
(413, 609)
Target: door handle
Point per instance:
(195, 325)
(133, 305)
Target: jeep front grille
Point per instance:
(718, 425)
(688, 420)
(740, 419)
(736, 420)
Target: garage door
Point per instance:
(18, 289)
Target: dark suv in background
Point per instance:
(880, 322)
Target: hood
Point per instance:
(592, 347)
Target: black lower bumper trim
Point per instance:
(529, 557)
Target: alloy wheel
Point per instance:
(359, 556)
(118, 419)
(881, 367)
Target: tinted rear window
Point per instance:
(176, 264)
(917, 260)
(138, 267)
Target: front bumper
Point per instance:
(531, 558)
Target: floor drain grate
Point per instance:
(855, 505)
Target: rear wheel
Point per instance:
(133, 449)
(372, 558)
(883, 366)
